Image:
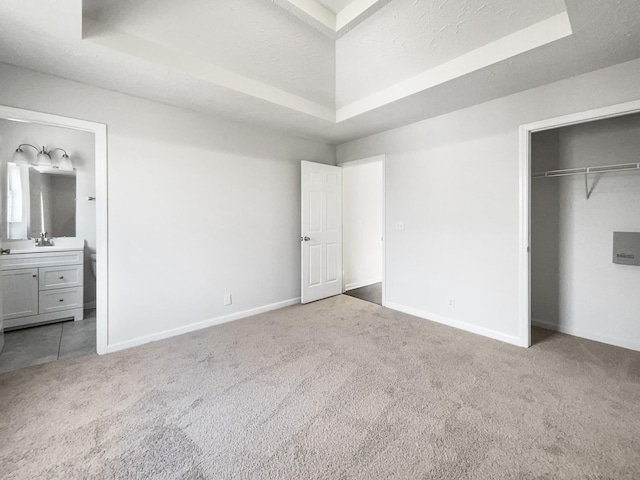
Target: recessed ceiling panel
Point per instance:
(248, 37)
(407, 37)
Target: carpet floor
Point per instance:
(336, 389)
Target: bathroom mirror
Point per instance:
(40, 199)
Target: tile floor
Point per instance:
(48, 343)
(370, 293)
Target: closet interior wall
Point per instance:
(575, 286)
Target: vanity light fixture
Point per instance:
(65, 162)
(43, 158)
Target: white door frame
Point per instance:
(363, 161)
(102, 222)
(525, 194)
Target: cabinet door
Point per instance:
(20, 293)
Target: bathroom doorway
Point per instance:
(363, 229)
(54, 238)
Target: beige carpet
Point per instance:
(336, 389)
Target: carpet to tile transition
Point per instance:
(339, 388)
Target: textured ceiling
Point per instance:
(266, 63)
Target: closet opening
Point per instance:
(585, 231)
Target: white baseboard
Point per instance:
(579, 332)
(199, 325)
(485, 332)
(363, 283)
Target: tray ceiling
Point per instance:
(280, 63)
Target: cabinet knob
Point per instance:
(61, 278)
(62, 300)
(34, 275)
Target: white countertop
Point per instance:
(62, 244)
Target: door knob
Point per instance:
(304, 239)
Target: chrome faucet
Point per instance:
(44, 241)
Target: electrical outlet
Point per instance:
(452, 302)
(399, 225)
(226, 299)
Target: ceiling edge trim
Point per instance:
(317, 11)
(352, 11)
(335, 22)
(159, 55)
(539, 34)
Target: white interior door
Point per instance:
(321, 236)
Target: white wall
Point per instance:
(595, 298)
(454, 181)
(362, 224)
(198, 207)
(81, 148)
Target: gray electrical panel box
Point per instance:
(626, 248)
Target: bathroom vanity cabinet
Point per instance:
(42, 287)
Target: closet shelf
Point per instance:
(586, 171)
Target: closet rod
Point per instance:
(585, 170)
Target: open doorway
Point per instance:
(53, 294)
(363, 229)
(581, 180)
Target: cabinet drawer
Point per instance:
(59, 277)
(60, 299)
(30, 260)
